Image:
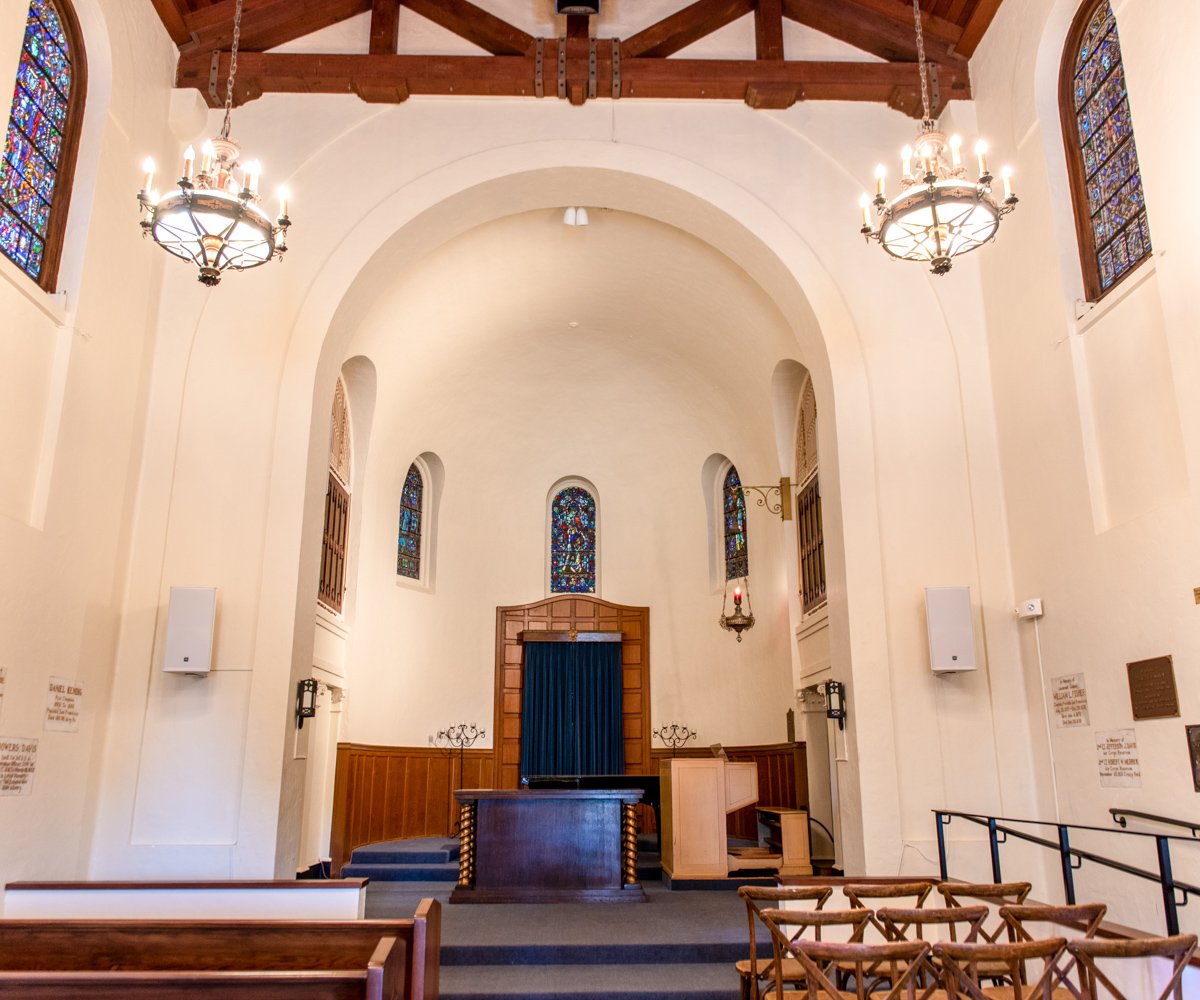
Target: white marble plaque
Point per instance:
(18, 757)
(1117, 757)
(1069, 695)
(63, 701)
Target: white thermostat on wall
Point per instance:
(951, 631)
(191, 617)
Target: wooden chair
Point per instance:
(904, 964)
(957, 923)
(751, 972)
(789, 927)
(1078, 920)
(994, 895)
(1097, 985)
(966, 966)
(911, 895)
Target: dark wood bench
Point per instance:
(238, 959)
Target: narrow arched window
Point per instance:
(40, 146)
(737, 561)
(810, 530)
(408, 547)
(1106, 182)
(335, 534)
(573, 542)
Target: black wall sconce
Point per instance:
(835, 696)
(306, 700)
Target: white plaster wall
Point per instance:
(1098, 427)
(73, 397)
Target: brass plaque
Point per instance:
(1152, 693)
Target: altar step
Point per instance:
(429, 859)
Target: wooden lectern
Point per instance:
(697, 792)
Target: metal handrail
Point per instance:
(1119, 816)
(1072, 858)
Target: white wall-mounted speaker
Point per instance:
(191, 617)
(951, 630)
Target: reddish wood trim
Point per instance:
(476, 25)
(513, 76)
(265, 23)
(60, 202)
(343, 883)
(681, 29)
(870, 30)
(768, 29)
(977, 25)
(385, 27)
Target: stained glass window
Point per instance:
(408, 549)
(573, 542)
(39, 145)
(737, 562)
(1106, 180)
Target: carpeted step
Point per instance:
(425, 851)
(402, 873)
(678, 981)
(711, 953)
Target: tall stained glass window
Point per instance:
(408, 549)
(573, 542)
(39, 148)
(1106, 182)
(737, 561)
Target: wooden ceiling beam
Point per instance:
(977, 25)
(172, 19)
(867, 29)
(935, 27)
(266, 24)
(681, 29)
(768, 29)
(774, 83)
(476, 25)
(385, 27)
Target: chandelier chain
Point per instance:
(920, 61)
(237, 34)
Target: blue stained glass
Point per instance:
(33, 144)
(573, 542)
(737, 559)
(408, 546)
(1112, 177)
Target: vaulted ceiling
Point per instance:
(583, 60)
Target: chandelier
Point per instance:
(940, 211)
(212, 216)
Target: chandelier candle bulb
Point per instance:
(189, 162)
(206, 163)
(865, 203)
(880, 174)
(1006, 176)
(981, 151)
(906, 157)
(956, 150)
(283, 200)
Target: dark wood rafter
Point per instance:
(882, 28)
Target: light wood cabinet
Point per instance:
(696, 795)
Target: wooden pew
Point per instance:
(250, 959)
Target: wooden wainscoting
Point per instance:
(782, 779)
(392, 793)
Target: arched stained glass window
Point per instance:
(1106, 182)
(737, 561)
(39, 148)
(573, 542)
(408, 549)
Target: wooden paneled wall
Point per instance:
(782, 779)
(561, 614)
(392, 793)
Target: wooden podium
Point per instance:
(697, 792)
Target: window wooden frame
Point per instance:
(332, 585)
(1076, 173)
(60, 201)
(810, 541)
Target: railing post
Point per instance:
(941, 835)
(1168, 884)
(995, 849)
(1064, 854)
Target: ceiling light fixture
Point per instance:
(575, 217)
(210, 218)
(939, 212)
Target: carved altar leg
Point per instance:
(629, 843)
(466, 844)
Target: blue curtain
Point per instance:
(571, 709)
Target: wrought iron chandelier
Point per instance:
(940, 213)
(212, 217)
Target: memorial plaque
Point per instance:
(1152, 693)
(1193, 738)
(1117, 758)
